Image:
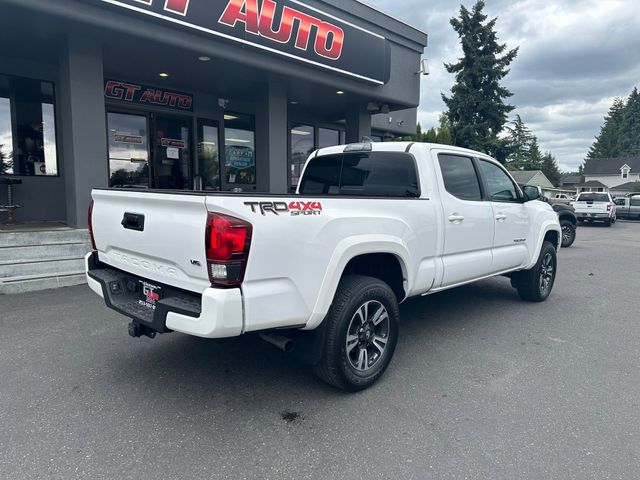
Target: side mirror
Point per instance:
(531, 192)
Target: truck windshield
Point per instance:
(367, 174)
(593, 197)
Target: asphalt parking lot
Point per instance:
(483, 386)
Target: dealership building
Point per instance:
(227, 95)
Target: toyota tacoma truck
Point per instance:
(322, 271)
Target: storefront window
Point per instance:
(303, 141)
(209, 155)
(328, 137)
(240, 149)
(6, 138)
(27, 127)
(128, 150)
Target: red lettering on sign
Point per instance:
(329, 39)
(177, 6)
(121, 91)
(174, 6)
(267, 15)
(234, 14)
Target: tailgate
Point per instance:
(591, 207)
(163, 239)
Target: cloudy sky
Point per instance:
(575, 57)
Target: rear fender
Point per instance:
(347, 250)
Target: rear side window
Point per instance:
(371, 174)
(322, 176)
(635, 202)
(460, 177)
(593, 197)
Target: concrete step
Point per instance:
(34, 283)
(15, 268)
(45, 237)
(43, 252)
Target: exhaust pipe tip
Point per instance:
(285, 344)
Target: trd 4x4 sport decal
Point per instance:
(294, 208)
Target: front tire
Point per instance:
(362, 333)
(535, 285)
(568, 233)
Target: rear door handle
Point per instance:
(501, 217)
(456, 218)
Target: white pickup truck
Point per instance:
(325, 269)
(595, 207)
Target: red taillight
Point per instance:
(227, 243)
(609, 207)
(93, 240)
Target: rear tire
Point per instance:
(362, 330)
(568, 233)
(535, 285)
(607, 223)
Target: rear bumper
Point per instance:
(217, 313)
(594, 216)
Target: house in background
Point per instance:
(570, 182)
(538, 179)
(618, 176)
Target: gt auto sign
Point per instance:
(288, 28)
(329, 38)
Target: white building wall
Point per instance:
(613, 180)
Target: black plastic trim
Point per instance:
(125, 301)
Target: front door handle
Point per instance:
(457, 219)
(501, 217)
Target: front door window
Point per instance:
(149, 151)
(128, 150)
(171, 153)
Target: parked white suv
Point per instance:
(370, 226)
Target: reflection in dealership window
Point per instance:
(303, 142)
(240, 149)
(209, 155)
(27, 127)
(328, 137)
(128, 150)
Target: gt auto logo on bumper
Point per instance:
(295, 209)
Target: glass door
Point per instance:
(128, 150)
(209, 155)
(171, 165)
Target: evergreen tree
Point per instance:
(534, 162)
(477, 111)
(5, 162)
(444, 136)
(608, 143)
(431, 136)
(550, 169)
(630, 126)
(519, 142)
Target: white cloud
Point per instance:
(575, 57)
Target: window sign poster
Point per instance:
(173, 153)
(240, 164)
(127, 138)
(172, 142)
(240, 157)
